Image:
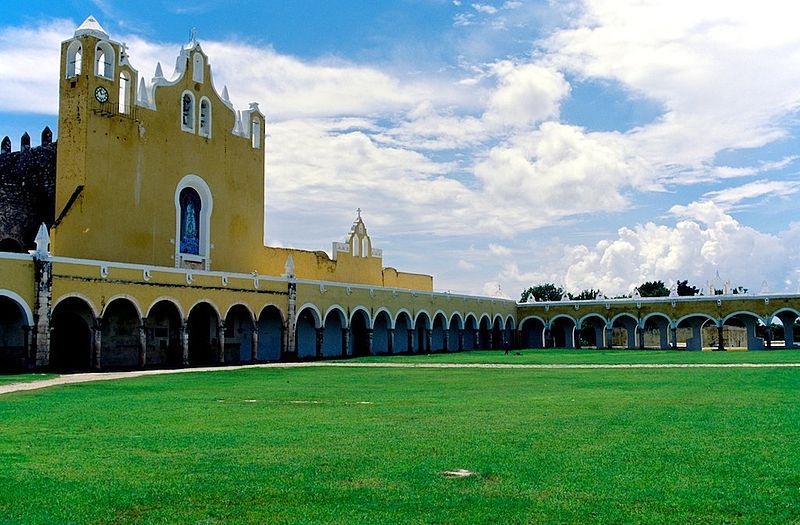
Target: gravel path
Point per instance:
(70, 379)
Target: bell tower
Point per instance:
(96, 82)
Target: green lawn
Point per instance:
(351, 445)
(24, 378)
(561, 356)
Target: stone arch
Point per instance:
(531, 331)
(562, 330)
(360, 337)
(403, 332)
(623, 330)
(74, 59)
(425, 315)
(386, 311)
(210, 304)
(382, 337)
(655, 330)
(592, 330)
(134, 302)
(15, 327)
(240, 325)
(471, 339)
(10, 245)
(334, 325)
(403, 311)
(270, 334)
(171, 300)
(438, 332)
(15, 297)
(205, 346)
(742, 329)
(689, 330)
(73, 322)
(314, 311)
(455, 334)
(104, 60)
(309, 321)
(76, 295)
(422, 327)
(122, 345)
(361, 308)
(484, 341)
(340, 309)
(788, 319)
(163, 325)
(498, 334)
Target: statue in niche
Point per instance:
(190, 221)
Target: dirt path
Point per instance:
(108, 376)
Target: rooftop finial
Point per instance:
(42, 242)
(194, 36)
(358, 210)
(92, 27)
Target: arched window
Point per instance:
(124, 92)
(355, 246)
(191, 209)
(104, 60)
(205, 117)
(187, 111)
(364, 247)
(74, 59)
(197, 67)
(255, 133)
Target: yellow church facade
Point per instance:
(155, 255)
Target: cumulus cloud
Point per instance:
(705, 240)
(29, 66)
(525, 94)
(726, 76)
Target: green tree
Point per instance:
(653, 289)
(684, 290)
(585, 295)
(543, 292)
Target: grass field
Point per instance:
(349, 445)
(561, 356)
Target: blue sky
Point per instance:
(495, 144)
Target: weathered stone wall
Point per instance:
(27, 190)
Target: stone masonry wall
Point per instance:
(27, 190)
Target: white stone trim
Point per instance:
(118, 297)
(318, 319)
(167, 299)
(76, 295)
(206, 208)
(14, 296)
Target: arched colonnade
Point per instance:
(694, 331)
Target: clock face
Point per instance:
(101, 94)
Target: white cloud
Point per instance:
(465, 265)
(525, 94)
(484, 8)
(498, 250)
(726, 75)
(753, 190)
(29, 66)
(695, 248)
